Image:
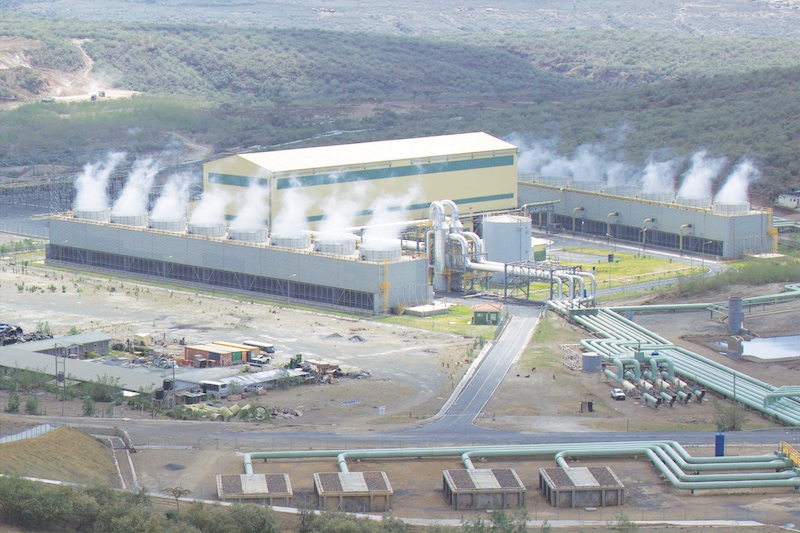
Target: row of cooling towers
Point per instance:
(373, 249)
(703, 202)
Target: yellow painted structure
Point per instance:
(357, 184)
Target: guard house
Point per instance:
(487, 314)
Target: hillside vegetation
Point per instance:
(233, 87)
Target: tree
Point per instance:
(729, 417)
(177, 493)
(32, 405)
(88, 406)
(13, 402)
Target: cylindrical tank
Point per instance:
(381, 250)
(235, 409)
(741, 208)
(507, 238)
(168, 224)
(297, 241)
(735, 314)
(207, 230)
(335, 243)
(621, 190)
(591, 362)
(249, 235)
(129, 220)
(100, 215)
(225, 412)
(693, 202)
(159, 394)
(167, 384)
(666, 197)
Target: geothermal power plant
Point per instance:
(381, 226)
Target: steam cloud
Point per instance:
(734, 190)
(291, 219)
(601, 164)
(210, 211)
(92, 185)
(135, 194)
(254, 210)
(697, 182)
(388, 213)
(174, 198)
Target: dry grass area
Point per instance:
(65, 454)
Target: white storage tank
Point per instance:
(100, 215)
(507, 238)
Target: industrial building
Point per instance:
(476, 170)
(399, 236)
(691, 226)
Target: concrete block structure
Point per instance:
(483, 488)
(353, 491)
(581, 487)
(269, 489)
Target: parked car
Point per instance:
(618, 394)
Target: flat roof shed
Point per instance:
(483, 488)
(353, 491)
(595, 486)
(269, 488)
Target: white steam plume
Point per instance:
(254, 209)
(136, 193)
(342, 209)
(211, 209)
(698, 180)
(92, 185)
(589, 162)
(388, 212)
(734, 190)
(174, 198)
(291, 220)
(658, 177)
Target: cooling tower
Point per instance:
(129, 220)
(168, 224)
(694, 202)
(207, 230)
(740, 208)
(298, 241)
(666, 197)
(100, 215)
(335, 243)
(381, 249)
(249, 235)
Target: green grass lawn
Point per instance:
(625, 270)
(458, 321)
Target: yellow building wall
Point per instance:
(364, 194)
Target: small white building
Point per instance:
(790, 200)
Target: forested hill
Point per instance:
(234, 87)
